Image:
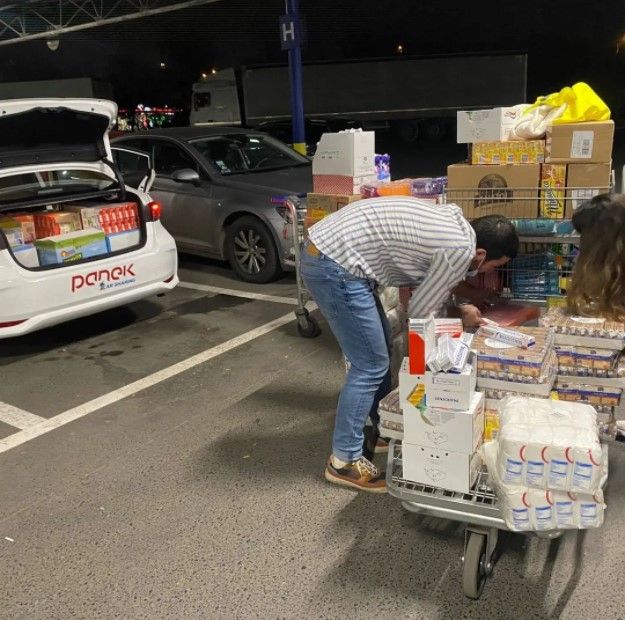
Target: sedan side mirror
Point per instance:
(186, 175)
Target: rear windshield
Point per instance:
(55, 184)
(243, 153)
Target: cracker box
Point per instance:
(53, 223)
(552, 191)
(526, 152)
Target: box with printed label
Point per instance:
(320, 205)
(552, 191)
(53, 223)
(526, 152)
(458, 431)
(110, 217)
(492, 125)
(486, 190)
(26, 255)
(12, 231)
(448, 390)
(585, 181)
(442, 390)
(123, 240)
(70, 247)
(27, 223)
(440, 468)
(338, 184)
(346, 153)
(580, 143)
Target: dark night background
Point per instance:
(566, 42)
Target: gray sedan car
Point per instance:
(219, 189)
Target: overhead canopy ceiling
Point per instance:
(47, 19)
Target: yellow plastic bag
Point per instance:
(579, 103)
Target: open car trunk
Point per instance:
(72, 231)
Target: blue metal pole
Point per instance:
(295, 73)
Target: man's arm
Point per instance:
(446, 269)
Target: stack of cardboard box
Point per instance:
(342, 164)
(527, 179)
(443, 421)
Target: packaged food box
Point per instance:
(584, 182)
(526, 152)
(591, 394)
(122, 240)
(509, 190)
(597, 327)
(497, 360)
(53, 223)
(72, 246)
(27, 223)
(552, 191)
(12, 230)
(110, 218)
(319, 206)
(580, 143)
(26, 255)
(584, 357)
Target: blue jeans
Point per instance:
(356, 317)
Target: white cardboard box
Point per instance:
(26, 255)
(492, 125)
(345, 153)
(457, 431)
(440, 468)
(123, 240)
(443, 390)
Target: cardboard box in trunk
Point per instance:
(580, 143)
(485, 190)
(585, 181)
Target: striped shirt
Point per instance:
(400, 241)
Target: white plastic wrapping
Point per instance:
(525, 509)
(546, 444)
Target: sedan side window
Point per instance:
(169, 158)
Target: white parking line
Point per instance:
(234, 293)
(18, 417)
(46, 425)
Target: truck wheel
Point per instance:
(408, 131)
(251, 251)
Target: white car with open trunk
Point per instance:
(75, 238)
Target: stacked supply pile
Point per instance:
(343, 163)
(570, 163)
(548, 466)
(71, 232)
(513, 362)
(591, 361)
(443, 419)
(391, 414)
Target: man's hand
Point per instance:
(471, 316)
(478, 296)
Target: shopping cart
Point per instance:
(478, 509)
(295, 234)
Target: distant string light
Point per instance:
(163, 65)
(400, 49)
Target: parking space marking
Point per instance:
(234, 293)
(49, 424)
(18, 417)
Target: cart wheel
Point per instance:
(473, 571)
(310, 328)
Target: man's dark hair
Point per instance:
(496, 234)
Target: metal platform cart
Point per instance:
(295, 232)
